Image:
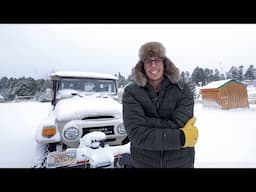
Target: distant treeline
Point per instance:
(10, 87)
(203, 76)
(24, 86)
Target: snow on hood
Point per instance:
(89, 106)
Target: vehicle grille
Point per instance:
(110, 140)
(98, 117)
(108, 130)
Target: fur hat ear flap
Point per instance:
(171, 71)
(138, 74)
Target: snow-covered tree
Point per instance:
(250, 73)
(216, 75)
(25, 87)
(121, 80)
(222, 76)
(198, 76)
(233, 73)
(241, 73)
(185, 76)
(182, 76)
(3, 83)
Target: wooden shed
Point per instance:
(225, 94)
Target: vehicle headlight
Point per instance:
(71, 133)
(121, 129)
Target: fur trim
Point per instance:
(139, 74)
(171, 71)
(154, 49)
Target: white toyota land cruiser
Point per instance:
(82, 103)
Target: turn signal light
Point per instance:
(49, 131)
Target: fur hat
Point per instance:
(154, 49)
(151, 49)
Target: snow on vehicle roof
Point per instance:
(83, 74)
(219, 84)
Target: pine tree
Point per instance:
(250, 73)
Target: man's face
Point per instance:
(154, 68)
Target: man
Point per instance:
(158, 113)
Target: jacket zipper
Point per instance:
(157, 100)
(162, 156)
(162, 152)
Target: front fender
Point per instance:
(47, 122)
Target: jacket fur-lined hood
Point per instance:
(154, 49)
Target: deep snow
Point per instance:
(226, 137)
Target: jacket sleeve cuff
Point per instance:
(182, 138)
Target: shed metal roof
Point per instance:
(220, 84)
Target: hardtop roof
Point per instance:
(78, 74)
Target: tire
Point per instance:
(124, 162)
(40, 155)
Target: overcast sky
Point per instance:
(36, 50)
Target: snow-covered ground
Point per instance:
(18, 126)
(226, 137)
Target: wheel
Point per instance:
(123, 162)
(40, 156)
(41, 152)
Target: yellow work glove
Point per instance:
(190, 133)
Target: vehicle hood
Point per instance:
(89, 106)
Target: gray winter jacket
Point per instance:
(152, 122)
